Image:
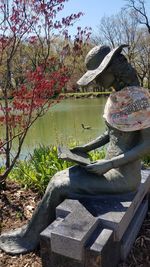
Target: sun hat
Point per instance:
(128, 109)
(97, 61)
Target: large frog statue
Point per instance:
(127, 117)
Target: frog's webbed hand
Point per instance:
(99, 167)
(137, 152)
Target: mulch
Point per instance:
(17, 205)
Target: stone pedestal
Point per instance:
(95, 231)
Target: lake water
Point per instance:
(62, 124)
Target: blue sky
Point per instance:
(93, 10)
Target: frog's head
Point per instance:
(109, 68)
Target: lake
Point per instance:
(62, 124)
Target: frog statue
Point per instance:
(127, 118)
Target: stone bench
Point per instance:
(95, 231)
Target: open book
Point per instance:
(80, 158)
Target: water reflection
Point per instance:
(62, 124)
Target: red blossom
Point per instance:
(27, 33)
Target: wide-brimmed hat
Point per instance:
(97, 61)
(128, 109)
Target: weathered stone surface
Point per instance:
(84, 235)
(50, 259)
(67, 206)
(45, 243)
(130, 207)
(104, 252)
(116, 211)
(133, 229)
(70, 236)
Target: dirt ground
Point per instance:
(16, 207)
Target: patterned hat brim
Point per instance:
(128, 109)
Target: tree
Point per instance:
(124, 28)
(32, 70)
(118, 29)
(139, 8)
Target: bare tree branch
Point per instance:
(139, 6)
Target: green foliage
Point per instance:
(146, 161)
(97, 154)
(36, 172)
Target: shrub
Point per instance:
(97, 154)
(36, 172)
(146, 161)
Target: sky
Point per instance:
(93, 11)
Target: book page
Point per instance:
(66, 154)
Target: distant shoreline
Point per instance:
(85, 95)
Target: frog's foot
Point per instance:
(16, 242)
